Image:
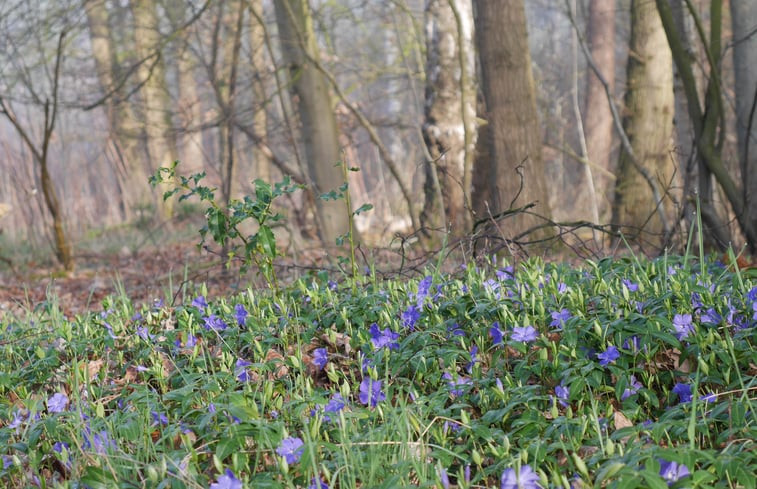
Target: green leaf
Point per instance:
(363, 208)
(267, 241)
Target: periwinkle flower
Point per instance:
(99, 441)
(317, 483)
(240, 370)
(631, 286)
(370, 392)
(444, 478)
(455, 386)
(683, 391)
(410, 316)
(227, 481)
(559, 318)
(683, 325)
(240, 314)
(335, 404)
(214, 323)
(383, 339)
(291, 449)
(455, 330)
(320, 357)
(672, 472)
(711, 316)
(144, 333)
(191, 341)
(473, 358)
(608, 356)
(60, 446)
(423, 288)
(159, 418)
(526, 479)
(495, 333)
(524, 334)
(199, 302)
(711, 397)
(562, 393)
(57, 403)
(633, 387)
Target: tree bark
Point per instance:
(128, 164)
(260, 80)
(311, 95)
(511, 162)
(649, 125)
(598, 123)
(450, 112)
(161, 139)
(744, 19)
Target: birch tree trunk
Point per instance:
(449, 129)
(510, 164)
(310, 94)
(649, 125)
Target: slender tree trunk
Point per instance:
(260, 80)
(744, 18)
(129, 167)
(161, 138)
(649, 126)
(310, 92)
(598, 124)
(511, 162)
(450, 111)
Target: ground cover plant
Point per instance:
(618, 373)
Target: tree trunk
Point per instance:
(598, 123)
(260, 80)
(744, 19)
(161, 139)
(649, 125)
(318, 122)
(511, 162)
(450, 112)
(129, 166)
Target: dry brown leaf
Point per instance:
(280, 370)
(93, 368)
(621, 421)
(129, 377)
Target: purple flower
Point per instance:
(672, 471)
(370, 392)
(455, 386)
(455, 330)
(683, 325)
(423, 288)
(631, 286)
(560, 317)
(144, 333)
(384, 339)
(524, 334)
(7, 461)
(410, 316)
(562, 288)
(59, 446)
(320, 357)
(711, 397)
(291, 449)
(696, 301)
(317, 483)
(632, 344)
(473, 358)
(335, 404)
(57, 403)
(683, 391)
(212, 408)
(240, 370)
(444, 478)
(526, 479)
(214, 323)
(101, 441)
(562, 393)
(608, 356)
(752, 294)
(633, 387)
(199, 302)
(240, 314)
(227, 481)
(159, 418)
(506, 273)
(495, 333)
(191, 341)
(711, 316)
